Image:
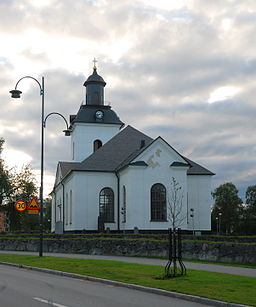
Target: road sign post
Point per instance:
(21, 205)
(33, 207)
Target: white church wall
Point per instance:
(56, 200)
(61, 210)
(136, 211)
(69, 217)
(199, 199)
(139, 180)
(53, 212)
(57, 207)
(84, 135)
(86, 201)
(125, 182)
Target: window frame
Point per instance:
(158, 203)
(97, 144)
(70, 207)
(107, 205)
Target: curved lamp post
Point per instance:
(16, 94)
(66, 131)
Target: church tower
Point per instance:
(95, 123)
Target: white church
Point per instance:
(119, 179)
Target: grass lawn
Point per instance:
(241, 265)
(225, 287)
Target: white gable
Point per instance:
(159, 153)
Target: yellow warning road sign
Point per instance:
(20, 205)
(34, 211)
(33, 205)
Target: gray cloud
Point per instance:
(173, 61)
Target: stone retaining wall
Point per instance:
(229, 252)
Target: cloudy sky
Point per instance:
(185, 70)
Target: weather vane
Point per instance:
(94, 61)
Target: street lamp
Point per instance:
(217, 225)
(220, 214)
(192, 216)
(16, 94)
(66, 131)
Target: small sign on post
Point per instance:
(33, 207)
(21, 205)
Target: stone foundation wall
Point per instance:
(223, 252)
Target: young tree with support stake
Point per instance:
(176, 216)
(175, 197)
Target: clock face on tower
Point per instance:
(99, 114)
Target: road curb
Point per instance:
(177, 295)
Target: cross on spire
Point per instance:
(94, 62)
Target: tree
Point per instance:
(250, 199)
(24, 187)
(24, 183)
(5, 178)
(228, 206)
(175, 197)
(249, 217)
(5, 182)
(176, 216)
(14, 186)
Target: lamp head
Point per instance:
(67, 132)
(15, 93)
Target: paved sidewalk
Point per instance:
(189, 265)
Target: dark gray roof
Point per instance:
(65, 167)
(176, 163)
(196, 169)
(86, 114)
(120, 148)
(95, 78)
(111, 156)
(119, 152)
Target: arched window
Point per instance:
(106, 204)
(158, 202)
(70, 207)
(96, 145)
(66, 209)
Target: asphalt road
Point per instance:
(23, 288)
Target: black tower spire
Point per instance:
(95, 88)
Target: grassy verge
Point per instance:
(225, 287)
(241, 265)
